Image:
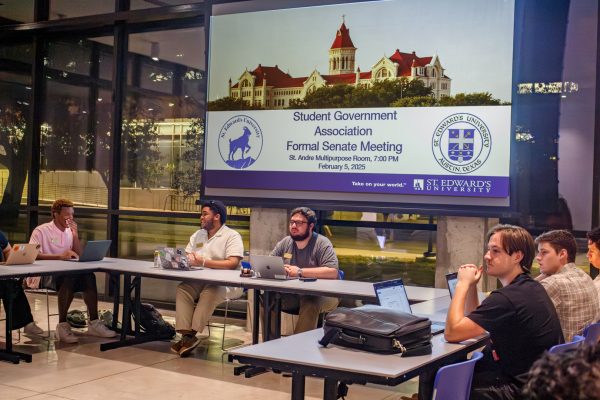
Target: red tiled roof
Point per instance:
(346, 79)
(405, 61)
(342, 38)
(341, 79)
(274, 77)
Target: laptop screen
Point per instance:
(392, 294)
(452, 279)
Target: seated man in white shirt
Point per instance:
(214, 246)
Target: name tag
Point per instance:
(199, 245)
(287, 255)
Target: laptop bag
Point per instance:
(379, 330)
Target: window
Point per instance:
(15, 124)
(16, 11)
(382, 73)
(75, 139)
(60, 9)
(163, 122)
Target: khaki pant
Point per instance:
(308, 309)
(192, 316)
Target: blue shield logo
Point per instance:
(461, 143)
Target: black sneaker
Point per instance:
(176, 347)
(188, 343)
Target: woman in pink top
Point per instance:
(59, 240)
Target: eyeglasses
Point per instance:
(297, 222)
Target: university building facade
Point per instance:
(271, 88)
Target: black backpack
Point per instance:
(151, 321)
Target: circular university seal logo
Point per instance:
(240, 141)
(461, 143)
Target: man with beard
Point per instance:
(214, 246)
(307, 255)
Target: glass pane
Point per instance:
(138, 4)
(15, 127)
(376, 254)
(16, 11)
(15, 229)
(75, 141)
(163, 124)
(140, 236)
(70, 57)
(60, 9)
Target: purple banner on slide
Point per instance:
(436, 185)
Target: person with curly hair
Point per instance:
(567, 375)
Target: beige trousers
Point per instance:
(190, 315)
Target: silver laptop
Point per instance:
(392, 294)
(268, 267)
(22, 254)
(94, 250)
(452, 280)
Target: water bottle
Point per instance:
(157, 259)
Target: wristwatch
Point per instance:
(299, 272)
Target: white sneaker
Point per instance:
(64, 333)
(97, 328)
(32, 329)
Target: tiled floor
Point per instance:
(148, 371)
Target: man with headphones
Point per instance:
(307, 254)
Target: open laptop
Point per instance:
(452, 280)
(94, 250)
(268, 267)
(172, 258)
(392, 294)
(22, 254)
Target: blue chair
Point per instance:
(341, 275)
(592, 334)
(454, 381)
(559, 348)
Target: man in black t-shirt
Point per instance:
(520, 317)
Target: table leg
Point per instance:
(426, 381)
(267, 316)
(298, 385)
(256, 317)
(127, 289)
(277, 312)
(115, 279)
(137, 304)
(129, 285)
(330, 389)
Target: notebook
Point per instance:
(452, 280)
(94, 250)
(392, 294)
(22, 254)
(269, 267)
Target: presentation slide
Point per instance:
(379, 102)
